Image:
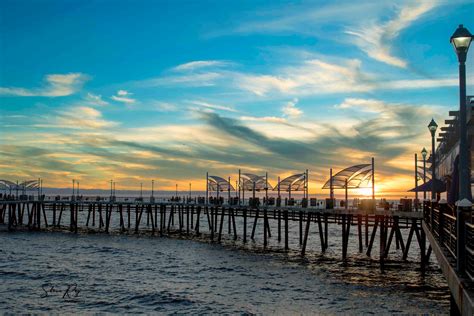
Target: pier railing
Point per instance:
(454, 233)
(470, 251)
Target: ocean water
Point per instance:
(44, 272)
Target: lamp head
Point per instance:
(424, 152)
(461, 40)
(432, 126)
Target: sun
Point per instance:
(365, 191)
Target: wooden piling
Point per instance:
(372, 238)
(245, 225)
(279, 225)
(301, 227)
(265, 230)
(198, 217)
(305, 240)
(285, 215)
(221, 224)
(254, 224)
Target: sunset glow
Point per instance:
(127, 103)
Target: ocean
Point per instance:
(61, 272)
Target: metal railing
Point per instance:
(470, 250)
(459, 245)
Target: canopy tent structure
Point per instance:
(354, 177)
(217, 184)
(250, 182)
(439, 186)
(254, 183)
(29, 185)
(357, 176)
(293, 183)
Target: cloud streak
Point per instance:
(56, 85)
(123, 96)
(376, 38)
(199, 64)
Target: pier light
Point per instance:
(424, 152)
(461, 39)
(432, 127)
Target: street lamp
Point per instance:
(432, 127)
(461, 39)
(424, 152)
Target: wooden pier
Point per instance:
(215, 222)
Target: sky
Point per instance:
(170, 90)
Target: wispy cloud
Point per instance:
(56, 85)
(93, 99)
(376, 38)
(303, 19)
(310, 77)
(124, 97)
(199, 64)
(204, 79)
(319, 77)
(81, 117)
(290, 109)
(212, 106)
(164, 106)
(271, 119)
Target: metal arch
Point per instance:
(360, 179)
(7, 184)
(217, 183)
(248, 180)
(31, 184)
(355, 175)
(25, 185)
(292, 183)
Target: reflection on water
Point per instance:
(121, 274)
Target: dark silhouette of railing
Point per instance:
(444, 227)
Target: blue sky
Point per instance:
(167, 90)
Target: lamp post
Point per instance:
(423, 154)
(461, 39)
(416, 181)
(432, 127)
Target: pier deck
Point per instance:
(164, 218)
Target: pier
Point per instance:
(215, 222)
